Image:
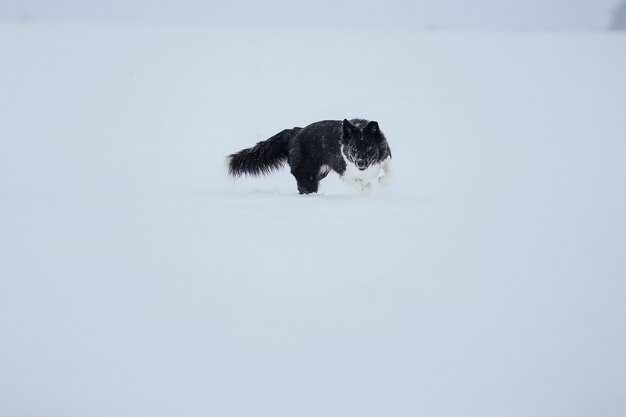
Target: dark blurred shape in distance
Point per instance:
(619, 17)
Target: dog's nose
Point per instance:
(360, 163)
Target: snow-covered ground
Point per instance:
(136, 279)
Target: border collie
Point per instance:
(356, 150)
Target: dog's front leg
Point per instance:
(387, 177)
(362, 187)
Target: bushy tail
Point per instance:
(264, 157)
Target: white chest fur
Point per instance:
(368, 174)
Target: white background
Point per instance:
(136, 279)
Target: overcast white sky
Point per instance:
(326, 14)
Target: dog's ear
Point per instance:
(348, 130)
(372, 128)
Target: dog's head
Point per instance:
(362, 144)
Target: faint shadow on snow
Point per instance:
(273, 193)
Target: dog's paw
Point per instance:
(363, 188)
(385, 180)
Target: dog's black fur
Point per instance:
(313, 151)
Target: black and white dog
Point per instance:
(356, 150)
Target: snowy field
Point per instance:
(136, 279)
